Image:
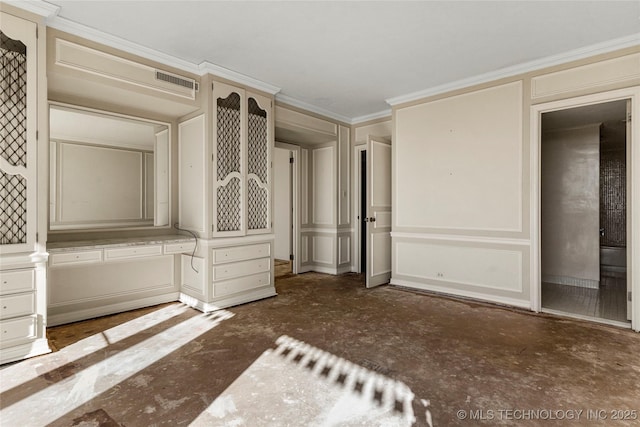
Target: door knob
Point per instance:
(370, 219)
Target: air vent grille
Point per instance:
(176, 80)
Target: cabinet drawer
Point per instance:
(16, 281)
(240, 253)
(17, 305)
(12, 330)
(241, 284)
(81, 257)
(244, 268)
(132, 252)
(178, 248)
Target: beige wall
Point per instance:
(465, 180)
(458, 171)
(570, 206)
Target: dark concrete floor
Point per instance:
(459, 355)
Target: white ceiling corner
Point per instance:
(312, 108)
(207, 67)
(39, 7)
(574, 55)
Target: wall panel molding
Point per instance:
(323, 249)
(589, 76)
(488, 268)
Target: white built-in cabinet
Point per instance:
(242, 162)
(226, 199)
(22, 258)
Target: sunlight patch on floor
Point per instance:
(53, 401)
(302, 385)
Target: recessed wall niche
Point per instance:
(107, 170)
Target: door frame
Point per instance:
(295, 203)
(357, 191)
(633, 196)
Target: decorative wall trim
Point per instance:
(571, 281)
(328, 230)
(66, 25)
(323, 249)
(508, 99)
(207, 67)
(285, 99)
(384, 114)
(459, 293)
(549, 61)
(41, 8)
(236, 241)
(325, 270)
(323, 160)
(602, 73)
(304, 249)
(496, 269)
(344, 250)
(303, 171)
(451, 237)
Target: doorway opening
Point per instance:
(284, 210)
(585, 211)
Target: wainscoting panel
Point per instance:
(323, 249)
(497, 272)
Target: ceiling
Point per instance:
(614, 111)
(347, 58)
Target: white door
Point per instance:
(378, 218)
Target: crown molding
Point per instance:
(39, 7)
(119, 43)
(312, 108)
(80, 30)
(549, 61)
(384, 114)
(207, 67)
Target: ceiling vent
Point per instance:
(177, 80)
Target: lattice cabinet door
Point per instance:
(229, 160)
(18, 115)
(259, 149)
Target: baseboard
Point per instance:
(325, 270)
(228, 301)
(24, 351)
(344, 269)
(464, 294)
(90, 313)
(305, 269)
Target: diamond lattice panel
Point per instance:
(13, 105)
(13, 209)
(257, 206)
(228, 150)
(229, 206)
(258, 142)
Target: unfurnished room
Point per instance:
(319, 213)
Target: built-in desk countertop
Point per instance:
(69, 246)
